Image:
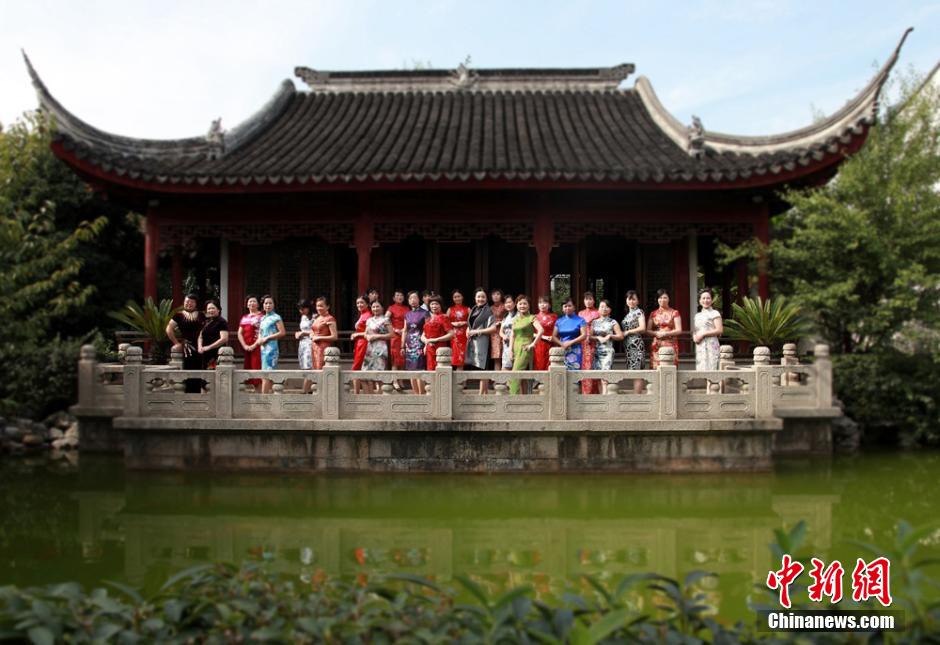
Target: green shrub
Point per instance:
(151, 319)
(892, 396)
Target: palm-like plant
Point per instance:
(766, 322)
(151, 320)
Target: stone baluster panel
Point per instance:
(668, 384)
(789, 358)
(763, 384)
(823, 365)
(87, 368)
(443, 390)
(330, 384)
(557, 384)
(225, 383)
(133, 381)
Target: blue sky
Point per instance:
(166, 69)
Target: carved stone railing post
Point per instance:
(330, 383)
(823, 366)
(557, 384)
(763, 384)
(122, 351)
(176, 358)
(224, 383)
(725, 357)
(668, 384)
(789, 358)
(442, 405)
(87, 366)
(133, 381)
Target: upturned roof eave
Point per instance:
(68, 124)
(858, 113)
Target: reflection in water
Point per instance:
(501, 530)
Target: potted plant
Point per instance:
(766, 323)
(150, 320)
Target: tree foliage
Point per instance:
(861, 257)
(51, 234)
(863, 252)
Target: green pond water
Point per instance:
(96, 522)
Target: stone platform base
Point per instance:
(805, 432)
(449, 446)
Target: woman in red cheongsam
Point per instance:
(247, 335)
(359, 338)
(590, 314)
(437, 331)
(458, 316)
(665, 326)
(396, 317)
(547, 320)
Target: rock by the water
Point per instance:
(846, 435)
(39, 429)
(65, 443)
(14, 432)
(55, 433)
(72, 432)
(61, 420)
(33, 440)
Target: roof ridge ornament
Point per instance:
(696, 135)
(216, 139)
(311, 77)
(463, 78)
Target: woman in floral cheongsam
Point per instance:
(665, 325)
(378, 333)
(634, 327)
(604, 330)
(589, 313)
(706, 328)
(270, 332)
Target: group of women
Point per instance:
(498, 332)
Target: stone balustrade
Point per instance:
(754, 391)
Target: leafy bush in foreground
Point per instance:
(221, 603)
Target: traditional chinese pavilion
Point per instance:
(518, 178)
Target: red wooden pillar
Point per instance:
(151, 256)
(364, 241)
(680, 280)
(762, 233)
(543, 239)
(236, 283)
(177, 276)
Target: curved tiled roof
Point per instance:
(559, 125)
